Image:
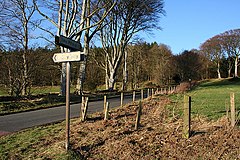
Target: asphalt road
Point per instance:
(19, 121)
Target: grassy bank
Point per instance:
(212, 98)
(35, 142)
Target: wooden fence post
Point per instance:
(187, 117)
(142, 96)
(122, 99)
(85, 108)
(233, 111)
(227, 108)
(134, 95)
(82, 107)
(139, 113)
(148, 92)
(104, 102)
(106, 111)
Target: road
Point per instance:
(16, 122)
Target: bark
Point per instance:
(229, 72)
(229, 68)
(82, 68)
(106, 73)
(218, 70)
(81, 77)
(111, 82)
(10, 81)
(63, 80)
(125, 76)
(25, 75)
(236, 67)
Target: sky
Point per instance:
(189, 23)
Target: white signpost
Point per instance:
(68, 57)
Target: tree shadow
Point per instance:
(195, 133)
(94, 119)
(83, 152)
(222, 82)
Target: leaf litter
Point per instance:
(159, 136)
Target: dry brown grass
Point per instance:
(158, 137)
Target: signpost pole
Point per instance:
(67, 106)
(68, 57)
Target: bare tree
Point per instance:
(231, 45)
(163, 71)
(126, 20)
(213, 48)
(15, 26)
(72, 19)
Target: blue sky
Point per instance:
(188, 23)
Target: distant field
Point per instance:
(48, 97)
(3, 91)
(37, 90)
(211, 98)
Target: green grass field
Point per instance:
(212, 98)
(25, 144)
(37, 90)
(3, 91)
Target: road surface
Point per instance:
(16, 122)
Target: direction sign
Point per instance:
(69, 57)
(68, 43)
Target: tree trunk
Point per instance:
(25, 76)
(236, 67)
(10, 82)
(125, 71)
(229, 72)
(106, 73)
(24, 56)
(63, 80)
(229, 68)
(82, 69)
(207, 73)
(218, 70)
(81, 77)
(111, 81)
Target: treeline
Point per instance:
(41, 70)
(141, 62)
(144, 63)
(222, 51)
